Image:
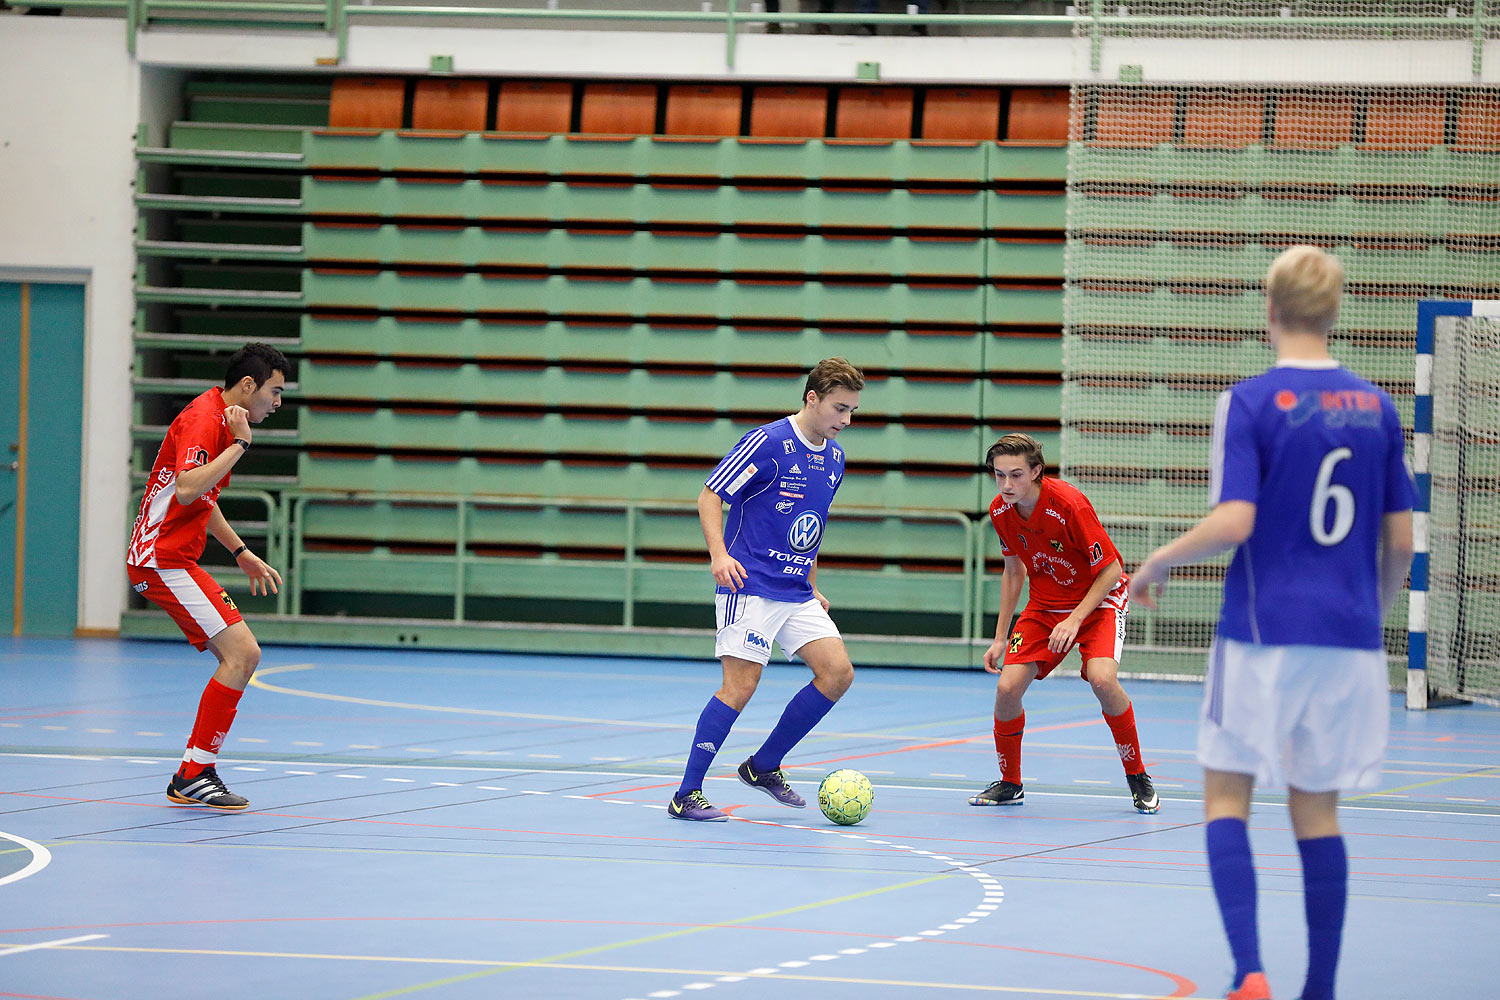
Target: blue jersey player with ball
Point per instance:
(778, 483)
(1311, 490)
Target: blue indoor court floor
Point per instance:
(457, 825)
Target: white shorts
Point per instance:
(1312, 717)
(749, 624)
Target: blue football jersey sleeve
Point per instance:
(1321, 454)
(778, 488)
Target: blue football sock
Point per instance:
(805, 710)
(1325, 883)
(713, 725)
(1233, 872)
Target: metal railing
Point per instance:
(297, 502)
(1094, 20)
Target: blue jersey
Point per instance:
(778, 487)
(1320, 453)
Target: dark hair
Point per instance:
(1021, 445)
(830, 374)
(258, 361)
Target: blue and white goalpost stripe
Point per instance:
(1427, 316)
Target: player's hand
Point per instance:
(817, 596)
(727, 571)
(237, 419)
(1148, 583)
(994, 657)
(263, 579)
(1064, 635)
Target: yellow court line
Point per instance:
(784, 974)
(1486, 773)
(653, 938)
(257, 682)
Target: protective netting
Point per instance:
(1179, 198)
(1463, 597)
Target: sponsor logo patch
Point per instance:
(141, 587)
(741, 479)
(784, 506)
(707, 745)
(805, 532)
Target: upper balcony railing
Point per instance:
(1092, 20)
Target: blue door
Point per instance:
(41, 449)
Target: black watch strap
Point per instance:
(244, 445)
(236, 553)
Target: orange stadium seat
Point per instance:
(791, 112)
(1312, 121)
(1038, 114)
(367, 102)
(1216, 120)
(1134, 117)
(530, 106)
(1478, 121)
(874, 113)
(1407, 121)
(618, 109)
(703, 110)
(959, 113)
(450, 105)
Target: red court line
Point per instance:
(946, 743)
(1184, 986)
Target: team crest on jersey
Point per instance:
(1056, 545)
(833, 480)
(1015, 642)
(754, 640)
(228, 601)
(787, 446)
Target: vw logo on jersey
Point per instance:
(805, 532)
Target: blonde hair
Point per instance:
(830, 374)
(1303, 287)
(1016, 446)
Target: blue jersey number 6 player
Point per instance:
(1311, 490)
(778, 482)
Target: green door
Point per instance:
(41, 449)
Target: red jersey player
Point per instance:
(178, 511)
(1050, 534)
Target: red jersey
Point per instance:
(168, 535)
(1062, 544)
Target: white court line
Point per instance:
(49, 944)
(40, 858)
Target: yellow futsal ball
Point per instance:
(845, 796)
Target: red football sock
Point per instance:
(1008, 747)
(215, 715)
(1127, 742)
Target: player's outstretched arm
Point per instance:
(1396, 547)
(263, 578)
(1225, 527)
(726, 569)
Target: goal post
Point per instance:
(1454, 632)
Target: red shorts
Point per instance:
(199, 606)
(1102, 634)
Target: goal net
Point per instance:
(1181, 193)
(1455, 615)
